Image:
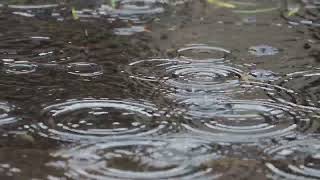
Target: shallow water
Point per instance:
(159, 89)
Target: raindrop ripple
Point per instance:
(243, 120)
(299, 89)
(298, 159)
(203, 53)
(84, 69)
(141, 159)
(96, 120)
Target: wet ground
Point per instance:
(159, 89)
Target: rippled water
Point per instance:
(159, 89)
(301, 159)
(91, 119)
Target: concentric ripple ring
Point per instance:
(243, 120)
(145, 159)
(203, 53)
(298, 159)
(98, 119)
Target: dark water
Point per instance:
(159, 89)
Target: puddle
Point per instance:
(159, 89)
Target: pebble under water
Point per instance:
(159, 89)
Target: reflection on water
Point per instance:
(159, 89)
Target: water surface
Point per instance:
(159, 89)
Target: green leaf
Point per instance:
(221, 4)
(74, 14)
